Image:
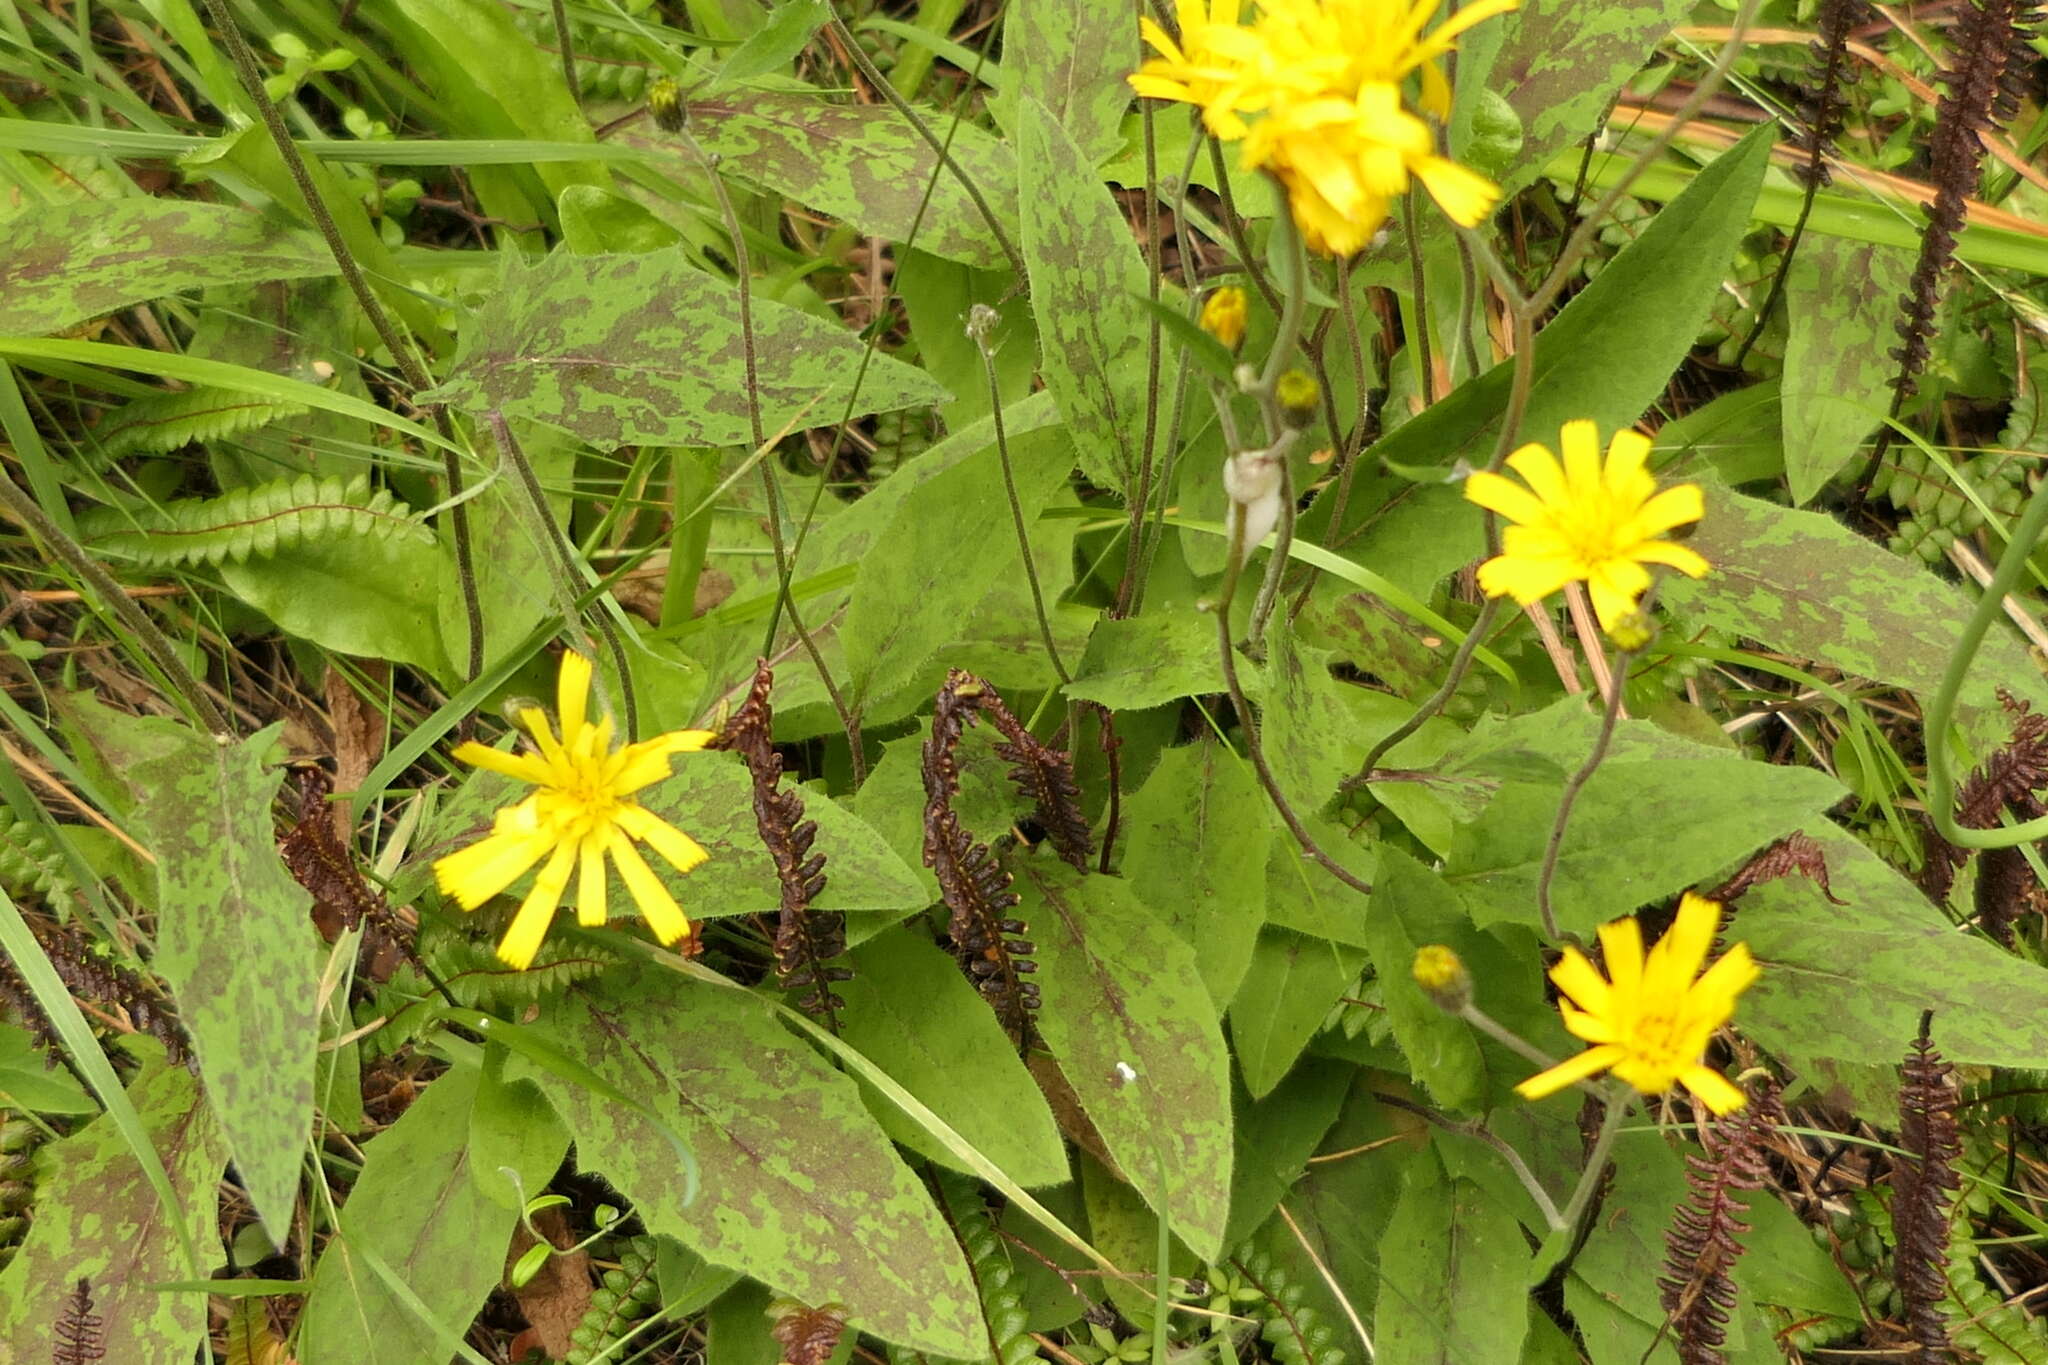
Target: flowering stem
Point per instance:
(1479, 1132)
(1277, 430)
(988, 369)
(1596, 1160)
(1941, 794)
(1609, 714)
(1418, 282)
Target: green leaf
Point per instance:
(647, 349)
(64, 264)
(799, 1186)
(496, 81)
(709, 797)
(950, 541)
(1607, 356)
(233, 936)
(1450, 1293)
(1413, 907)
(1847, 983)
(1196, 838)
(914, 1014)
(425, 1208)
(1072, 60)
(1311, 741)
(1620, 851)
(1303, 896)
(27, 1082)
(1085, 273)
(97, 1218)
(1562, 64)
(1287, 993)
(1138, 661)
(862, 164)
(1841, 299)
(1610, 1292)
(688, 1281)
(1802, 583)
(1277, 1135)
(1121, 998)
(776, 43)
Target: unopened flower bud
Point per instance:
(1441, 974)
(981, 324)
(1252, 479)
(665, 103)
(1632, 630)
(1298, 394)
(1223, 315)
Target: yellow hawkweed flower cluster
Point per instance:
(1649, 1019)
(1223, 315)
(581, 812)
(1323, 81)
(1583, 521)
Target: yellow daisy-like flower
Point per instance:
(1322, 81)
(1650, 1018)
(582, 811)
(1585, 521)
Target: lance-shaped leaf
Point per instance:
(60, 266)
(97, 1219)
(1072, 59)
(1841, 299)
(1087, 287)
(799, 1188)
(647, 349)
(863, 164)
(234, 936)
(1128, 1018)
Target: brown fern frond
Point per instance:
(806, 941)
(808, 1336)
(342, 899)
(1923, 1179)
(1701, 1245)
(1968, 105)
(986, 939)
(76, 1333)
(1796, 852)
(89, 976)
(2009, 780)
(1045, 776)
(17, 1000)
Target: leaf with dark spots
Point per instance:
(1087, 286)
(863, 164)
(1803, 583)
(1073, 59)
(96, 1218)
(647, 349)
(799, 1188)
(1128, 1018)
(233, 939)
(60, 266)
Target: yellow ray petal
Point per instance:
(1569, 1072)
(1541, 471)
(1465, 196)
(537, 911)
(592, 889)
(1683, 558)
(525, 767)
(1576, 977)
(1675, 506)
(473, 875)
(657, 906)
(1503, 495)
(1735, 973)
(572, 691)
(680, 849)
(1591, 1027)
(1713, 1089)
(1680, 954)
(1621, 942)
(1528, 581)
(643, 764)
(1580, 444)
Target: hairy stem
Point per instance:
(1610, 712)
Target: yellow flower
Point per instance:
(1323, 79)
(1441, 974)
(1649, 1019)
(582, 811)
(1585, 522)
(1223, 315)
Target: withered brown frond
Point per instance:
(20, 1002)
(89, 976)
(806, 941)
(1968, 105)
(76, 1333)
(1922, 1181)
(1701, 1247)
(976, 889)
(1796, 852)
(342, 899)
(808, 1336)
(1044, 775)
(2011, 779)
